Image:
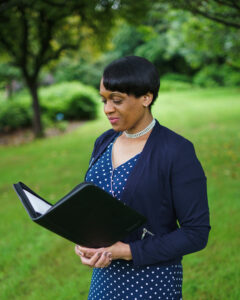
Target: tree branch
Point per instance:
(192, 7)
(57, 53)
(24, 41)
(206, 15)
(236, 4)
(225, 3)
(45, 35)
(56, 4)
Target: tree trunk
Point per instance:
(8, 90)
(37, 123)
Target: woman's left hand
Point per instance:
(118, 250)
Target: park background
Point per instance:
(52, 55)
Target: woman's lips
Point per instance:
(113, 120)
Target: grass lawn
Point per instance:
(36, 264)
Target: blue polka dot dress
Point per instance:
(122, 280)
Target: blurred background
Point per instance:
(52, 55)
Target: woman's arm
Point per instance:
(189, 196)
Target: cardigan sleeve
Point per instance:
(190, 204)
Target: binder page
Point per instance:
(38, 204)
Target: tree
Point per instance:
(203, 32)
(226, 12)
(36, 32)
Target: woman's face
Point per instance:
(125, 112)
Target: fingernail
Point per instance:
(109, 255)
(105, 254)
(98, 254)
(80, 252)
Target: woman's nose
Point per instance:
(109, 107)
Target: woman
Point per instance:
(156, 172)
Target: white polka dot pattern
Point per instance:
(122, 280)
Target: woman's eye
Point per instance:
(117, 101)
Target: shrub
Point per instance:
(172, 85)
(72, 101)
(217, 75)
(14, 114)
(177, 77)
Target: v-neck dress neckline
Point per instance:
(111, 150)
(111, 179)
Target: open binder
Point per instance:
(87, 215)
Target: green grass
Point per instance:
(36, 264)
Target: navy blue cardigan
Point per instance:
(168, 186)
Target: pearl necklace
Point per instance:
(140, 133)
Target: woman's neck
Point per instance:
(141, 124)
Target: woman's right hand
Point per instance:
(100, 259)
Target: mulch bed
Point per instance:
(22, 136)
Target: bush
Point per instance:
(174, 82)
(171, 85)
(14, 114)
(74, 100)
(71, 101)
(177, 77)
(217, 75)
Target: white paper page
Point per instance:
(38, 204)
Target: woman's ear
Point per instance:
(147, 99)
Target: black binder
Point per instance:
(87, 215)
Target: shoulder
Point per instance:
(171, 146)
(105, 137)
(171, 139)
(178, 152)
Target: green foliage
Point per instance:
(7, 73)
(62, 125)
(176, 41)
(174, 85)
(74, 100)
(80, 70)
(127, 39)
(37, 33)
(223, 12)
(207, 42)
(215, 75)
(177, 77)
(14, 114)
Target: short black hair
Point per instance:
(133, 75)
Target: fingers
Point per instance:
(89, 252)
(96, 260)
(104, 260)
(93, 260)
(78, 252)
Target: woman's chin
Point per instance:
(117, 128)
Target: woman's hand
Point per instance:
(101, 257)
